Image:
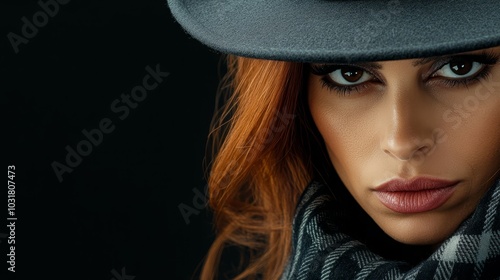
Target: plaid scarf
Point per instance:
(327, 243)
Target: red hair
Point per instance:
(261, 164)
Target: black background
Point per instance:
(116, 215)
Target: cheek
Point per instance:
(477, 138)
(348, 133)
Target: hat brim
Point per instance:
(340, 31)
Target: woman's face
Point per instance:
(432, 124)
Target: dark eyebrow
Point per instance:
(441, 58)
(376, 65)
(321, 69)
(370, 65)
(425, 60)
(417, 62)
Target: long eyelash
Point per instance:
(324, 69)
(482, 75)
(341, 90)
(488, 59)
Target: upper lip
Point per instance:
(413, 185)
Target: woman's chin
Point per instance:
(419, 230)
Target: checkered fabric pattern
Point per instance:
(322, 251)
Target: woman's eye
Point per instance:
(459, 68)
(347, 76)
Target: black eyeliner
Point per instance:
(485, 58)
(483, 74)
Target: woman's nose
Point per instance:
(407, 125)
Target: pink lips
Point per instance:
(413, 196)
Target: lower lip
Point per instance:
(415, 201)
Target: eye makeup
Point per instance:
(486, 59)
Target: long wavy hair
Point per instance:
(263, 146)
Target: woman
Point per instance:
(359, 139)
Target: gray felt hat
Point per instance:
(340, 30)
